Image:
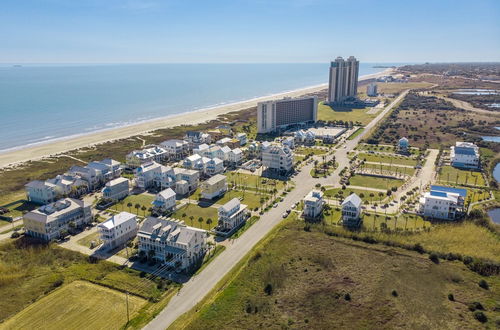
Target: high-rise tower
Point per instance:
(343, 83)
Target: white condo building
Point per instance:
(118, 230)
(371, 89)
(172, 243)
(278, 159)
(465, 155)
(443, 203)
(279, 114)
(49, 221)
(343, 82)
(313, 204)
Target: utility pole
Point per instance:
(128, 315)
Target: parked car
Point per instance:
(284, 215)
(275, 205)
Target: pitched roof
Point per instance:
(117, 219)
(167, 193)
(352, 198)
(230, 205)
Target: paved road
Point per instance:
(199, 286)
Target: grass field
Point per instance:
(142, 199)
(360, 116)
(383, 148)
(28, 271)
(388, 159)
(249, 198)
(391, 88)
(374, 182)
(196, 212)
(87, 240)
(78, 305)
(346, 192)
(253, 181)
(393, 168)
(307, 151)
(356, 133)
(322, 282)
(449, 174)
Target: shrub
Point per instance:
(268, 289)
(480, 316)
(347, 297)
(451, 297)
(434, 258)
(419, 248)
(483, 284)
(394, 293)
(475, 306)
(15, 235)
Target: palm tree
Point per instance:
(137, 206)
(371, 196)
(200, 220)
(209, 222)
(143, 208)
(129, 205)
(121, 203)
(191, 218)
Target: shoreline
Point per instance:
(42, 149)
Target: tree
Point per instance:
(129, 205)
(137, 206)
(122, 202)
(371, 196)
(200, 220)
(191, 218)
(143, 208)
(209, 222)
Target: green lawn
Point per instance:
(87, 240)
(393, 168)
(326, 113)
(79, 305)
(310, 150)
(142, 199)
(253, 181)
(251, 199)
(401, 160)
(196, 212)
(401, 222)
(383, 148)
(16, 208)
(374, 182)
(331, 193)
(449, 174)
(353, 135)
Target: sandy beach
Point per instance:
(196, 117)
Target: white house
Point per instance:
(224, 141)
(116, 189)
(443, 203)
(232, 215)
(49, 221)
(154, 175)
(278, 159)
(235, 157)
(41, 192)
(242, 137)
(289, 142)
(351, 211)
(196, 138)
(313, 204)
(214, 187)
(176, 149)
(371, 89)
(465, 155)
(172, 243)
(202, 149)
(191, 177)
(403, 145)
(138, 157)
(164, 201)
(214, 166)
(118, 230)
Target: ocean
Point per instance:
(42, 103)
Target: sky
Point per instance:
(242, 31)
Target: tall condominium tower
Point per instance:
(343, 82)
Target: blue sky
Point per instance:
(117, 31)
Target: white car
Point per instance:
(275, 205)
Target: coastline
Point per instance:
(48, 148)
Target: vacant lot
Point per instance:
(143, 199)
(79, 305)
(320, 282)
(449, 174)
(393, 169)
(30, 270)
(191, 213)
(359, 116)
(388, 159)
(374, 182)
(364, 194)
(253, 181)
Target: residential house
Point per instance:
(202, 149)
(443, 203)
(465, 155)
(313, 204)
(214, 166)
(164, 201)
(232, 215)
(118, 230)
(192, 178)
(235, 157)
(154, 175)
(289, 142)
(49, 221)
(278, 159)
(351, 211)
(138, 157)
(242, 137)
(116, 189)
(176, 149)
(196, 138)
(172, 243)
(214, 187)
(223, 142)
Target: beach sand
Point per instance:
(40, 151)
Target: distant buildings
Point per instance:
(313, 204)
(235, 157)
(242, 137)
(164, 201)
(116, 189)
(278, 159)
(118, 230)
(231, 216)
(214, 187)
(351, 211)
(343, 82)
(443, 203)
(138, 157)
(371, 89)
(195, 138)
(465, 155)
(50, 221)
(403, 145)
(172, 243)
(273, 115)
(305, 137)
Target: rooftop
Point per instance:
(116, 220)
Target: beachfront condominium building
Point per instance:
(172, 243)
(116, 189)
(232, 215)
(465, 155)
(164, 201)
(279, 114)
(118, 230)
(313, 204)
(443, 203)
(50, 221)
(351, 211)
(278, 159)
(343, 82)
(214, 187)
(371, 89)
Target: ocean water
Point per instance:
(41, 103)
